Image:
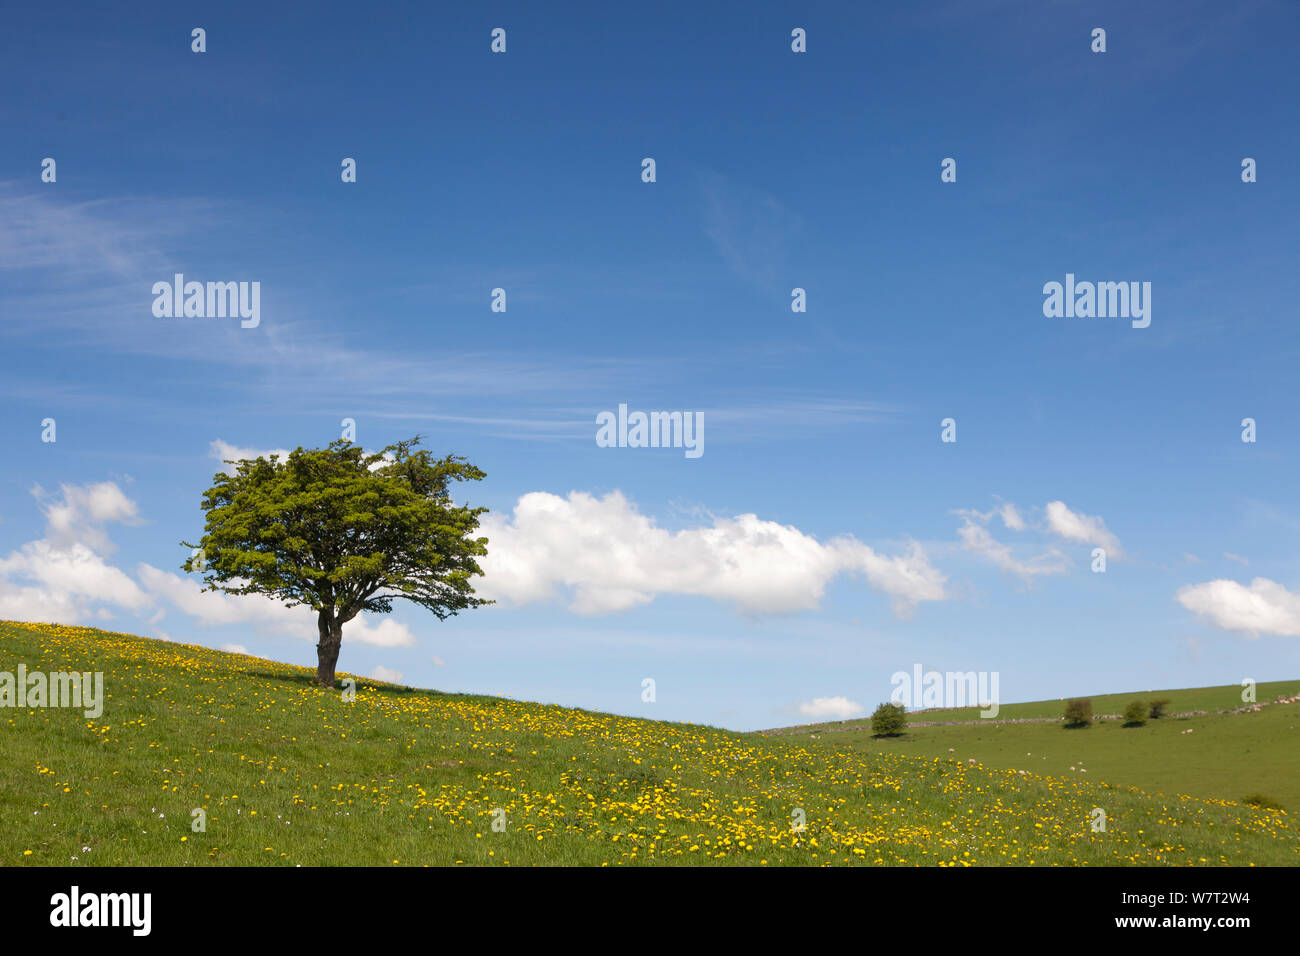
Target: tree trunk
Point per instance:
(327, 651)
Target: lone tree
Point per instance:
(342, 532)
(1078, 713)
(1135, 714)
(889, 720)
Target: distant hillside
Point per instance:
(1182, 700)
(1211, 744)
(287, 773)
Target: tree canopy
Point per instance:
(342, 531)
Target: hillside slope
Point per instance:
(288, 773)
(1208, 747)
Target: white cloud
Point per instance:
(383, 673)
(1061, 521)
(386, 633)
(612, 558)
(1082, 528)
(1265, 607)
(1236, 557)
(265, 614)
(235, 648)
(78, 517)
(215, 609)
(830, 708)
(74, 572)
(63, 576)
(977, 539)
(1011, 517)
(437, 662)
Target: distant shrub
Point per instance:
(889, 720)
(1078, 713)
(1259, 800)
(1135, 714)
(1159, 708)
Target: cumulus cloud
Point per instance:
(1085, 529)
(383, 673)
(1265, 607)
(215, 609)
(609, 557)
(79, 516)
(234, 648)
(830, 708)
(63, 576)
(73, 572)
(385, 633)
(263, 613)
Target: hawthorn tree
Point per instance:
(342, 532)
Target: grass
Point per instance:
(1225, 756)
(288, 773)
(1185, 700)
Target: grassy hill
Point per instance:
(1184, 700)
(1198, 751)
(288, 773)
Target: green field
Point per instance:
(1227, 697)
(287, 773)
(1225, 755)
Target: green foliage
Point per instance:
(1135, 714)
(1078, 713)
(1159, 708)
(343, 532)
(889, 720)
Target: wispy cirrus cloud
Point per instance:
(89, 269)
(746, 420)
(752, 230)
(1058, 521)
(975, 537)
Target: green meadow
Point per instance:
(1222, 755)
(204, 758)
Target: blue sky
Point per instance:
(827, 537)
